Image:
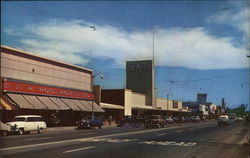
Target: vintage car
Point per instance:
(4, 129)
(223, 120)
(169, 119)
(27, 123)
(155, 121)
(89, 123)
(238, 119)
(195, 118)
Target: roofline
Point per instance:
(44, 58)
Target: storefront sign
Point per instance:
(29, 88)
(139, 65)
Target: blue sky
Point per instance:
(199, 46)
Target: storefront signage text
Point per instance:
(12, 86)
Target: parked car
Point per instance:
(238, 119)
(223, 120)
(178, 119)
(131, 120)
(195, 118)
(27, 123)
(186, 119)
(89, 123)
(4, 129)
(169, 119)
(155, 121)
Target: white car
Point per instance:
(4, 129)
(238, 119)
(27, 123)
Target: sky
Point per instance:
(199, 47)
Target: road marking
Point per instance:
(74, 150)
(38, 138)
(110, 140)
(90, 138)
(162, 134)
(173, 143)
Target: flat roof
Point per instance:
(44, 58)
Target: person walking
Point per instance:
(110, 119)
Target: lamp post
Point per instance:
(168, 94)
(92, 85)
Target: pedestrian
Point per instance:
(110, 119)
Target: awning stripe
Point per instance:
(53, 103)
(59, 103)
(71, 104)
(4, 105)
(49, 103)
(21, 101)
(35, 102)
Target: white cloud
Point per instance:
(74, 42)
(239, 19)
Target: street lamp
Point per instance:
(92, 80)
(168, 94)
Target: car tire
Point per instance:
(20, 131)
(40, 130)
(4, 133)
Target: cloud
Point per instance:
(239, 19)
(75, 42)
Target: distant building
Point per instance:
(201, 98)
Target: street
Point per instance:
(186, 140)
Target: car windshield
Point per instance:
(19, 119)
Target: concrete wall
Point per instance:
(138, 100)
(21, 66)
(128, 102)
(168, 104)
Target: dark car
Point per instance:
(130, 121)
(195, 118)
(89, 123)
(155, 121)
(169, 119)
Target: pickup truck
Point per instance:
(89, 123)
(4, 129)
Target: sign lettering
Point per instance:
(12, 86)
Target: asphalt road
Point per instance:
(189, 140)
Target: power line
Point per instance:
(205, 79)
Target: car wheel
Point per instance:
(4, 133)
(20, 131)
(40, 130)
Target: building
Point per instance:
(31, 84)
(201, 98)
(125, 102)
(139, 98)
(140, 79)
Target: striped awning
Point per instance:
(53, 103)
(4, 105)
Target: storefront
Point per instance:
(62, 93)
